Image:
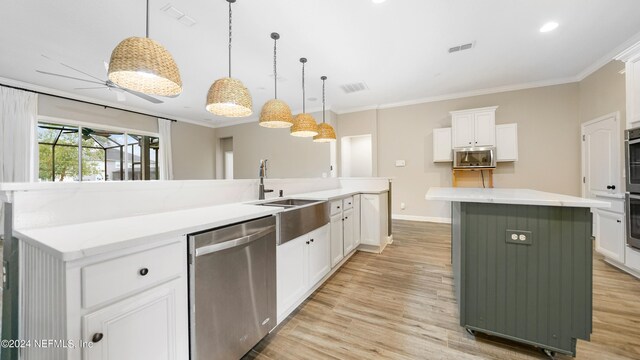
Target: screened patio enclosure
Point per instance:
(77, 153)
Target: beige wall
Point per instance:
(603, 93)
(548, 145)
(194, 149)
(289, 156)
(548, 119)
(193, 146)
(359, 123)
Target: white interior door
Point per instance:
(601, 156)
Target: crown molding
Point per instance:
(621, 52)
(465, 94)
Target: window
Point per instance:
(79, 153)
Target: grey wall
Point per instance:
(289, 156)
(193, 145)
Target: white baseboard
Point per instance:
(622, 267)
(441, 220)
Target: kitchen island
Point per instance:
(522, 263)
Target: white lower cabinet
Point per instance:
(356, 220)
(374, 220)
(610, 240)
(292, 273)
(337, 244)
(632, 259)
(319, 254)
(348, 231)
(142, 327)
(130, 303)
(301, 263)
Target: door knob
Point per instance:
(97, 337)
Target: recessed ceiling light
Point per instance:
(550, 26)
(378, 1)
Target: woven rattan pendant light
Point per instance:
(227, 96)
(275, 113)
(143, 65)
(304, 125)
(326, 133)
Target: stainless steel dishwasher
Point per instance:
(232, 289)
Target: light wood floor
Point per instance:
(400, 305)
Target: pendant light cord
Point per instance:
(230, 23)
(147, 22)
(275, 68)
(323, 98)
(304, 111)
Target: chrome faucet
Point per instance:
(262, 173)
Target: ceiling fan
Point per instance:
(104, 84)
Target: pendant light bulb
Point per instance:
(275, 113)
(326, 133)
(304, 125)
(228, 97)
(143, 65)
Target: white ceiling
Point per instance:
(398, 48)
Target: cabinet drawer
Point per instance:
(336, 207)
(128, 274)
(347, 203)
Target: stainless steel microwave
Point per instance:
(474, 157)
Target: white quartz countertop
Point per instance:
(336, 194)
(511, 196)
(72, 242)
(76, 241)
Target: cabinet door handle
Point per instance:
(338, 207)
(346, 218)
(307, 243)
(97, 337)
(619, 221)
(144, 271)
(311, 240)
(611, 187)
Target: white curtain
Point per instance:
(165, 159)
(18, 135)
(18, 139)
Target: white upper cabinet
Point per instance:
(507, 142)
(631, 57)
(442, 149)
(474, 127)
(484, 123)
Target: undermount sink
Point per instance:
(289, 202)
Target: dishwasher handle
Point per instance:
(235, 242)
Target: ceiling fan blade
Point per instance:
(80, 71)
(90, 88)
(143, 96)
(69, 77)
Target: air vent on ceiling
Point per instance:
(173, 12)
(354, 87)
(461, 47)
